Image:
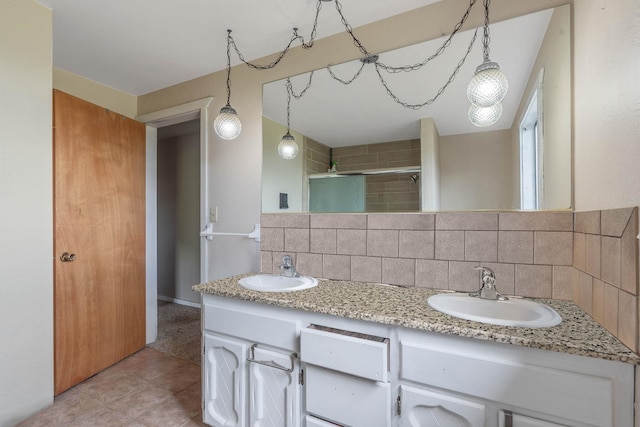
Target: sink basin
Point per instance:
(513, 312)
(272, 283)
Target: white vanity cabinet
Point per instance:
(250, 366)
(317, 370)
(462, 377)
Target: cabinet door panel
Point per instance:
(274, 393)
(515, 420)
(421, 408)
(224, 381)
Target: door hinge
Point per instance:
(301, 377)
(399, 406)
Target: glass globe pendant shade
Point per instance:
(485, 116)
(488, 86)
(227, 125)
(288, 149)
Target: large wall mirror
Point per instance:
(389, 158)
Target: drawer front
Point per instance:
(254, 327)
(576, 396)
(310, 421)
(356, 354)
(347, 400)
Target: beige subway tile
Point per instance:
(614, 221)
(628, 319)
(515, 247)
(562, 282)
(533, 280)
(611, 308)
(579, 251)
(400, 221)
(309, 264)
(553, 247)
(355, 221)
(505, 277)
(382, 243)
(449, 245)
(266, 262)
(467, 221)
(463, 276)
(536, 221)
(337, 267)
(284, 220)
(272, 239)
(432, 274)
(598, 301)
(399, 271)
(351, 242)
(586, 292)
(296, 240)
(593, 255)
(481, 246)
(587, 222)
(323, 241)
(576, 286)
(353, 150)
(611, 260)
(629, 272)
(366, 269)
(416, 244)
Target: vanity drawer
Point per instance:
(252, 325)
(357, 354)
(345, 399)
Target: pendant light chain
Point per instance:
(301, 94)
(440, 91)
(229, 39)
(485, 38)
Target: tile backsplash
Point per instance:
(534, 254)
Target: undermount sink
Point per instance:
(273, 283)
(511, 312)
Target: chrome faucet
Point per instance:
(488, 289)
(287, 269)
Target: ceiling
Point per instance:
(139, 46)
(363, 113)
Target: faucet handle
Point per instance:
(488, 275)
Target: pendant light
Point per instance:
(227, 125)
(288, 149)
(489, 85)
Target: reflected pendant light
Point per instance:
(485, 116)
(489, 85)
(227, 125)
(288, 149)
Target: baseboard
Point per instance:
(179, 301)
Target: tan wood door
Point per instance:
(99, 217)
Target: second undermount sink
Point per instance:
(511, 312)
(273, 283)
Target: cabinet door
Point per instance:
(273, 389)
(224, 381)
(424, 408)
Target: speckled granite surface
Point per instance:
(577, 334)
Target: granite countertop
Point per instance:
(578, 333)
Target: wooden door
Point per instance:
(99, 216)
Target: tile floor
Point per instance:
(149, 388)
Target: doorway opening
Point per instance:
(159, 124)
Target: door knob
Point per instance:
(67, 257)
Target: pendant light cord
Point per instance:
(485, 37)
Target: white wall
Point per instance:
(179, 217)
(607, 104)
(475, 171)
(26, 228)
